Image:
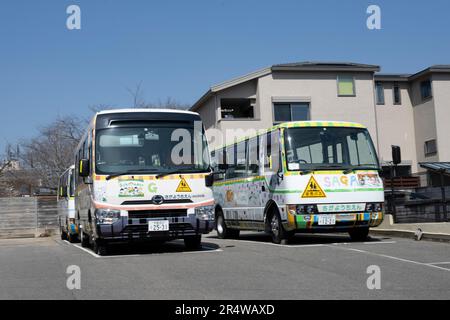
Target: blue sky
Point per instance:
(179, 48)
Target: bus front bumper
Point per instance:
(342, 222)
(138, 229)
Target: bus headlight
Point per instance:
(302, 208)
(107, 216)
(205, 213)
(374, 207)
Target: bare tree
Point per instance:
(4, 166)
(52, 151)
(137, 94)
(169, 103)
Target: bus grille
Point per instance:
(148, 214)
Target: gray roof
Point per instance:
(443, 167)
(325, 66)
(438, 68)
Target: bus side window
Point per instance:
(272, 152)
(253, 157)
(214, 164)
(241, 159)
(230, 156)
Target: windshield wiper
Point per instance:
(136, 171)
(163, 174)
(321, 168)
(354, 168)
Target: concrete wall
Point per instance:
(441, 92)
(424, 121)
(396, 125)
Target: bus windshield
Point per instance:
(322, 148)
(153, 147)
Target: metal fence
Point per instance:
(28, 215)
(416, 205)
(422, 211)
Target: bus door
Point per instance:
(271, 166)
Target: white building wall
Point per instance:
(396, 126)
(441, 93)
(321, 90)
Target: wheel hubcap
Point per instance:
(220, 225)
(275, 226)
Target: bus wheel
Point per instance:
(100, 248)
(84, 239)
(359, 234)
(72, 238)
(223, 232)
(193, 243)
(221, 228)
(277, 231)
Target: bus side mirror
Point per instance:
(84, 168)
(396, 155)
(63, 192)
(209, 180)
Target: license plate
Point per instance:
(159, 225)
(327, 220)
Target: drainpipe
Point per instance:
(375, 113)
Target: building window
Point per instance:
(397, 94)
(346, 86)
(284, 112)
(236, 109)
(425, 89)
(380, 93)
(430, 147)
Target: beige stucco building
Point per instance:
(409, 110)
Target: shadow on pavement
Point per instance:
(150, 248)
(305, 239)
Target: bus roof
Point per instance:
(318, 123)
(140, 110)
(299, 124)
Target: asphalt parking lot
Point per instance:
(311, 267)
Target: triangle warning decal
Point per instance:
(313, 190)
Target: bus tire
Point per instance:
(277, 232)
(359, 234)
(72, 238)
(100, 247)
(84, 239)
(193, 242)
(223, 232)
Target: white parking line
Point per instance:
(437, 263)
(390, 257)
(92, 253)
(368, 242)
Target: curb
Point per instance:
(439, 237)
(17, 236)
